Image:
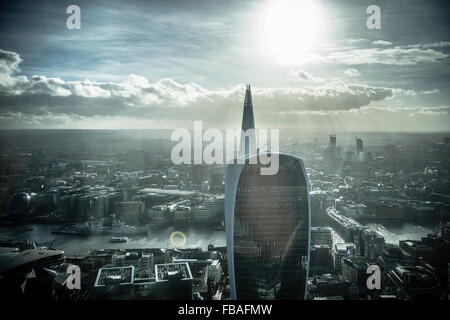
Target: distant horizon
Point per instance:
(190, 129)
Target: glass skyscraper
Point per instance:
(268, 229)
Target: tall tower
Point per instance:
(248, 137)
(359, 146)
(267, 224)
(333, 145)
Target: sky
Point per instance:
(312, 64)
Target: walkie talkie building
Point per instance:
(268, 227)
(268, 230)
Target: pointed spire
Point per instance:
(248, 139)
(248, 122)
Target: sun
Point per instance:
(290, 29)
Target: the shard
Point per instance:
(267, 224)
(248, 136)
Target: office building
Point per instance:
(268, 225)
(359, 147)
(414, 282)
(328, 285)
(321, 236)
(174, 281)
(340, 252)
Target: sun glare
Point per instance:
(290, 29)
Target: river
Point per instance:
(394, 232)
(196, 237)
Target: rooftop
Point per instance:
(115, 276)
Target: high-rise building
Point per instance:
(321, 236)
(359, 146)
(268, 226)
(340, 252)
(199, 174)
(333, 145)
(332, 153)
(248, 137)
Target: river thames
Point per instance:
(196, 237)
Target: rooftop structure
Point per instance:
(173, 271)
(115, 276)
(27, 259)
(416, 281)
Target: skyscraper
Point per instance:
(333, 145)
(199, 173)
(359, 146)
(268, 226)
(248, 137)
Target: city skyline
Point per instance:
(154, 65)
(71, 200)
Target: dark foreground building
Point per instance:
(268, 230)
(267, 222)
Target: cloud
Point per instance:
(9, 64)
(327, 97)
(440, 44)
(300, 74)
(404, 92)
(432, 91)
(303, 75)
(400, 55)
(352, 72)
(134, 102)
(353, 41)
(432, 110)
(382, 43)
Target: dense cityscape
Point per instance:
(82, 189)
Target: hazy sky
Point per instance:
(164, 64)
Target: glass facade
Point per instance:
(271, 232)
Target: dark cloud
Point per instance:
(302, 75)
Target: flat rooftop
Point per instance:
(115, 276)
(173, 271)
